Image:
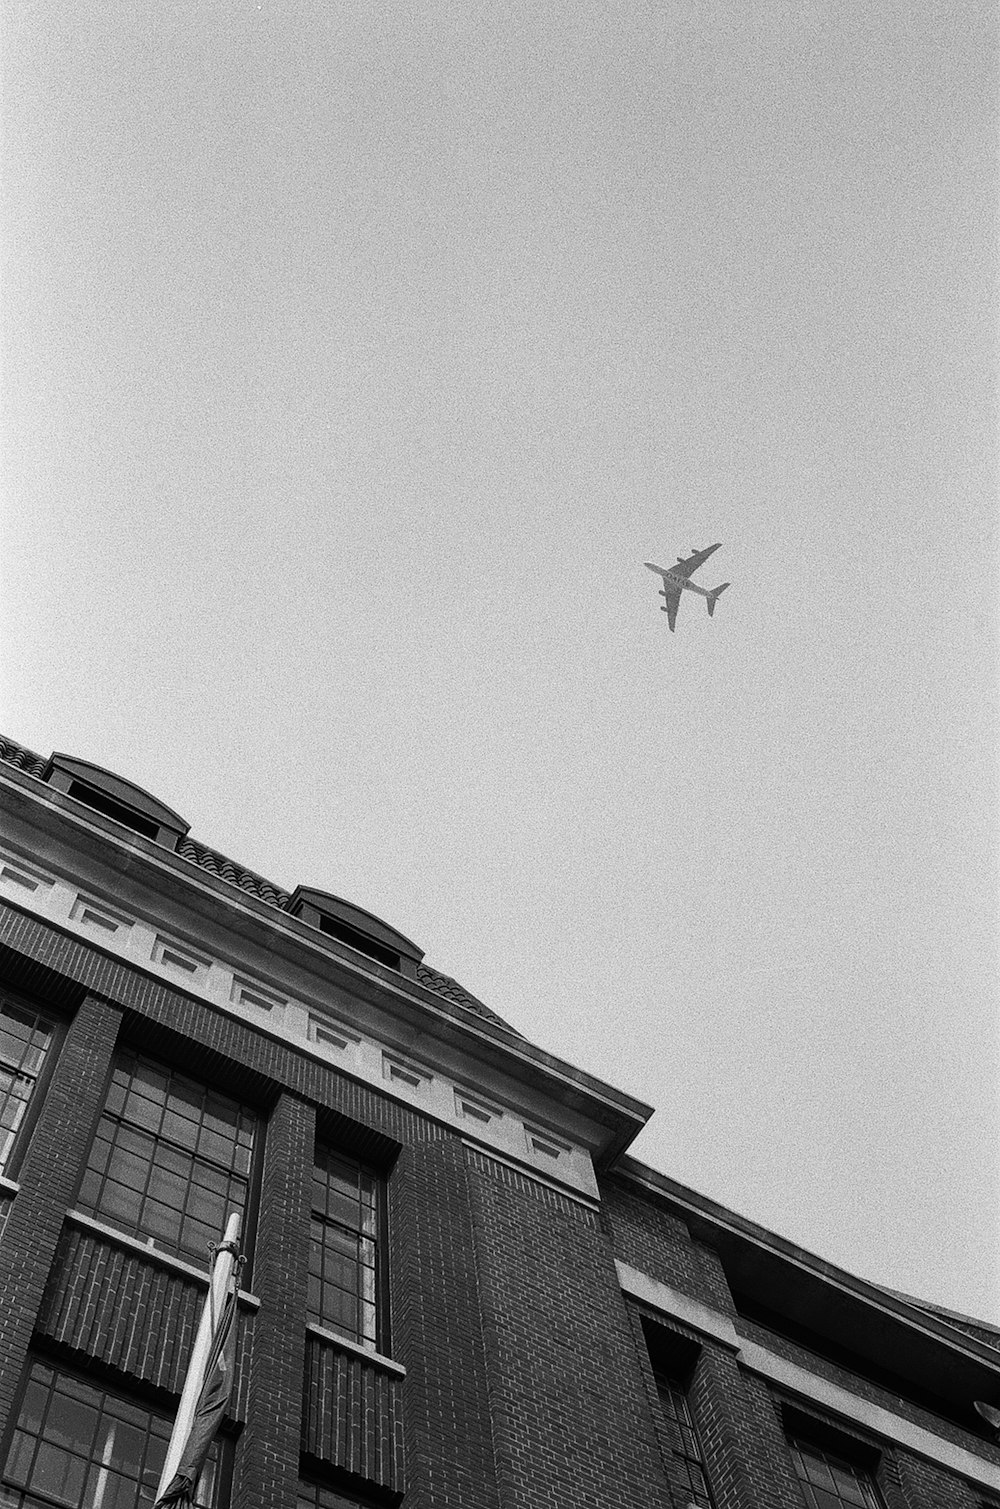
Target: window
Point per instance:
(79, 1446)
(25, 1038)
(687, 1466)
(99, 801)
(343, 1260)
(361, 941)
(171, 1158)
(831, 1482)
(317, 1496)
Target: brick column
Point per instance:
(267, 1465)
(49, 1178)
(570, 1420)
(748, 1462)
(906, 1480)
(437, 1331)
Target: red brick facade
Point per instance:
(523, 1365)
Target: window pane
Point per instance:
(159, 1167)
(58, 1473)
(121, 1204)
(71, 1422)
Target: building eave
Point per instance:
(815, 1296)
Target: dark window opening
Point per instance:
(364, 945)
(313, 1495)
(110, 808)
(686, 1467)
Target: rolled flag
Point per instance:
(209, 1381)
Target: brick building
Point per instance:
(461, 1292)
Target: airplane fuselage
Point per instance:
(685, 583)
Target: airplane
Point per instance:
(676, 579)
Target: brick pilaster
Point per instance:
(49, 1177)
(570, 1424)
(748, 1463)
(437, 1331)
(908, 1482)
(268, 1453)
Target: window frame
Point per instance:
(36, 1100)
(252, 1178)
(379, 1345)
(128, 1398)
(314, 1486)
(810, 1434)
(679, 1386)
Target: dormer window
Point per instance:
(121, 814)
(360, 930)
(104, 792)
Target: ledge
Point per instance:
(153, 1254)
(376, 1358)
(658, 1296)
(8, 1186)
(794, 1379)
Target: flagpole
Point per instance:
(222, 1272)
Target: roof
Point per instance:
(248, 881)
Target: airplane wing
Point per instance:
(671, 594)
(673, 597)
(685, 568)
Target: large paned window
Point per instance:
(80, 1447)
(344, 1256)
(832, 1482)
(25, 1039)
(687, 1466)
(171, 1158)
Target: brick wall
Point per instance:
(527, 1379)
(438, 1333)
(49, 1176)
(660, 1244)
(571, 1425)
(267, 1459)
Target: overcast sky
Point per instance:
(355, 357)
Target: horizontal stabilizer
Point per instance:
(713, 597)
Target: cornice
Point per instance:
(72, 830)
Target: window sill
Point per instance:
(375, 1358)
(9, 1187)
(152, 1254)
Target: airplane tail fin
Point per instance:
(713, 597)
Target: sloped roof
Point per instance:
(248, 881)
